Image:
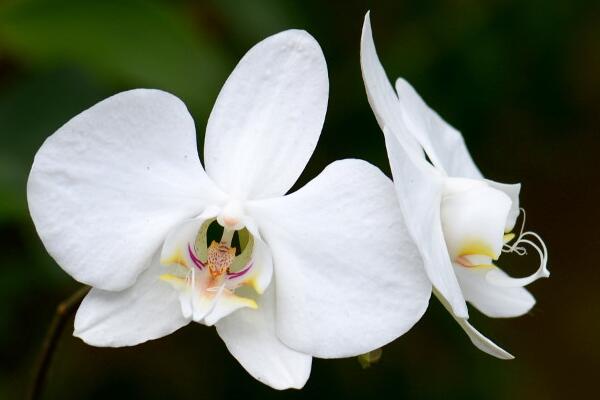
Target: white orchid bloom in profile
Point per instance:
(460, 221)
(122, 203)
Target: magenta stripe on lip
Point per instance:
(194, 258)
(231, 275)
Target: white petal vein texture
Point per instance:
(349, 278)
(268, 117)
(105, 189)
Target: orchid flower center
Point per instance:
(208, 276)
(477, 229)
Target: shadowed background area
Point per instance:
(520, 79)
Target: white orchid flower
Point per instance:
(122, 203)
(460, 221)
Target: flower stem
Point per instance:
(63, 312)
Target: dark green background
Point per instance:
(520, 79)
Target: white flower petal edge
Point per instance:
(351, 279)
(148, 310)
(419, 190)
(481, 342)
(418, 184)
(251, 338)
(268, 117)
(476, 215)
(446, 142)
(108, 185)
(492, 300)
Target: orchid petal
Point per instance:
(250, 337)
(381, 95)
(448, 144)
(419, 190)
(344, 263)
(481, 342)
(418, 185)
(268, 117)
(105, 189)
(494, 301)
(148, 310)
(384, 100)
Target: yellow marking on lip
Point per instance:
(245, 301)
(253, 283)
(176, 258)
(177, 281)
(477, 248)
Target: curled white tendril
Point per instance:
(525, 238)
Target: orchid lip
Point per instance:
(230, 275)
(213, 273)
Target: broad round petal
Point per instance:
(105, 189)
(448, 144)
(148, 310)
(268, 117)
(250, 337)
(480, 341)
(494, 301)
(349, 278)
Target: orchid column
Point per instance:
(122, 203)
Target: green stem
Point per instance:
(63, 312)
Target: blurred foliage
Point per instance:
(519, 78)
(136, 43)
